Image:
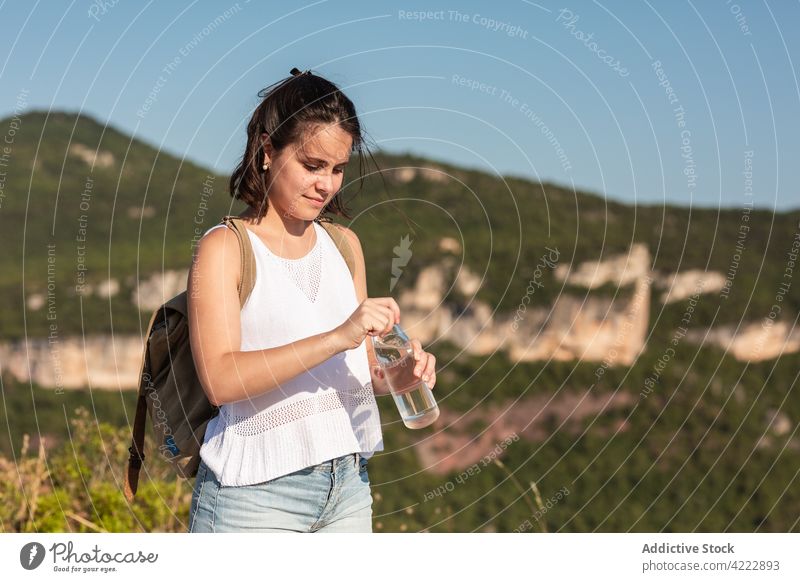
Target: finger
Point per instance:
(417, 347)
(421, 365)
(396, 310)
(380, 318)
(392, 305)
(388, 318)
(430, 368)
(391, 322)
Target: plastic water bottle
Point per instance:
(412, 395)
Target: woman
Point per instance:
(291, 371)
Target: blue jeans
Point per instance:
(333, 496)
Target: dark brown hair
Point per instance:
(288, 110)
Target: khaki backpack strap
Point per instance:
(340, 239)
(248, 260)
(137, 440)
(137, 444)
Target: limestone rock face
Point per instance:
(586, 327)
(34, 301)
(431, 174)
(591, 329)
(443, 305)
(681, 286)
(107, 288)
(158, 288)
(99, 362)
(450, 245)
(619, 269)
(92, 157)
(751, 342)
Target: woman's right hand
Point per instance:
(375, 316)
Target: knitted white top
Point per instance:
(325, 412)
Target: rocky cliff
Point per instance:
(442, 305)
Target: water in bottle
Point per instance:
(412, 395)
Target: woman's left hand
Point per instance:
(425, 364)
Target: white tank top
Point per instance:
(325, 412)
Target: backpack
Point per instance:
(169, 388)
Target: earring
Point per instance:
(265, 166)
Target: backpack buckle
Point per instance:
(136, 457)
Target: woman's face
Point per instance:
(304, 177)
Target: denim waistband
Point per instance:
(333, 465)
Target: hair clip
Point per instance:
(297, 72)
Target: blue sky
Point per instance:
(587, 94)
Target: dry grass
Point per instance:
(77, 486)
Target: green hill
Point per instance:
(700, 453)
(136, 211)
